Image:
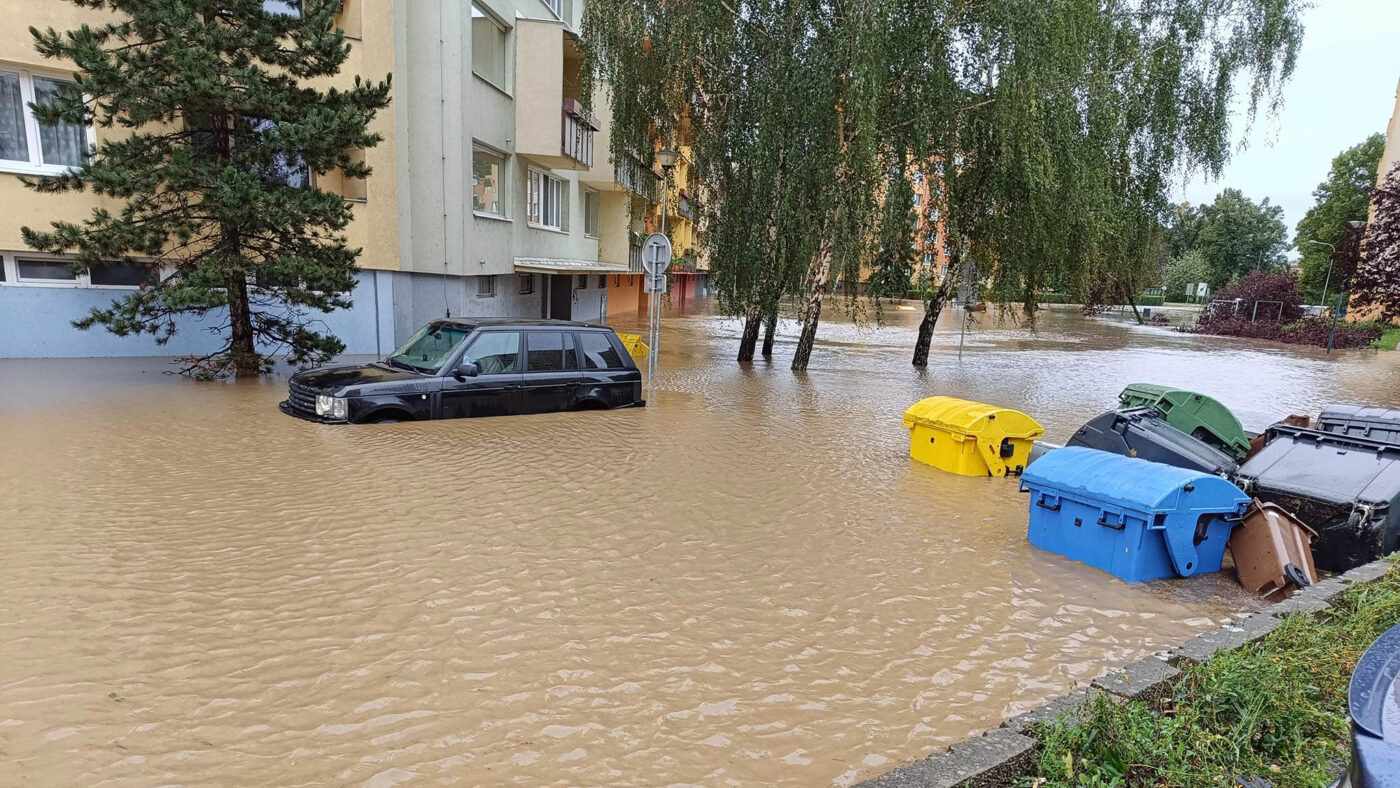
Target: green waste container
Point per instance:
(1194, 414)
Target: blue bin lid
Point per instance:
(1131, 482)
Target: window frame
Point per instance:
(566, 338)
(489, 291)
(502, 178)
(591, 228)
(477, 335)
(504, 30)
(527, 284)
(10, 276)
(540, 220)
(581, 282)
(35, 165)
(618, 349)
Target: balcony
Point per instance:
(685, 208)
(577, 126)
(634, 256)
(639, 180)
(685, 264)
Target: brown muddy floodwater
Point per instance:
(747, 583)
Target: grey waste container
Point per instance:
(1347, 489)
(1359, 421)
(1142, 432)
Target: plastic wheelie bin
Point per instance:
(1194, 414)
(1345, 488)
(1272, 550)
(1142, 432)
(1358, 421)
(1136, 519)
(970, 438)
(1375, 726)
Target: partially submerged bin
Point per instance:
(1347, 489)
(1141, 432)
(970, 438)
(1359, 421)
(1272, 550)
(1195, 414)
(1138, 520)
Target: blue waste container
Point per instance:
(1136, 519)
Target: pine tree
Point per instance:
(1377, 281)
(213, 126)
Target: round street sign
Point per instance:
(656, 253)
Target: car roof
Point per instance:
(516, 322)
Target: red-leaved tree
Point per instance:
(1377, 281)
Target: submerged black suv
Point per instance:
(469, 367)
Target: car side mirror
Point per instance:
(469, 369)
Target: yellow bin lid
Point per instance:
(965, 417)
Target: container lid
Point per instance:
(1326, 466)
(1132, 482)
(971, 418)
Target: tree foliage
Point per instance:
(893, 267)
(1238, 236)
(213, 123)
(1055, 126)
(1376, 285)
(1344, 197)
(1182, 273)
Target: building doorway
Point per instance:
(561, 297)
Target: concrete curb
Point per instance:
(1001, 754)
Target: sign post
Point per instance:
(656, 258)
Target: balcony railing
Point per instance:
(577, 126)
(685, 208)
(634, 257)
(686, 263)
(639, 179)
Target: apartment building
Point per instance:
(493, 193)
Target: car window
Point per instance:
(598, 352)
(494, 352)
(544, 351)
(429, 348)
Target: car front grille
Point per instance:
(302, 399)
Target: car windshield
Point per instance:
(430, 347)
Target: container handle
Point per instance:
(1054, 507)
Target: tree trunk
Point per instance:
(1127, 293)
(819, 280)
(242, 348)
(921, 346)
(750, 336)
(770, 326)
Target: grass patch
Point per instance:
(1388, 340)
(1275, 709)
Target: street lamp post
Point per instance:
(666, 157)
(1330, 260)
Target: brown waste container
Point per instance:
(1272, 550)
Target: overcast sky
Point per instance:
(1342, 90)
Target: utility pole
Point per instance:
(1330, 261)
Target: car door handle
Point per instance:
(512, 388)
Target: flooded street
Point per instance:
(747, 583)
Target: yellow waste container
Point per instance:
(970, 438)
(634, 344)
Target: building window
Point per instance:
(487, 183)
(918, 177)
(282, 7)
(27, 146)
(485, 286)
(590, 213)
(488, 47)
(928, 259)
(59, 271)
(918, 201)
(287, 170)
(45, 271)
(602, 281)
(557, 6)
(527, 284)
(583, 281)
(544, 201)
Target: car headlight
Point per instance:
(333, 407)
